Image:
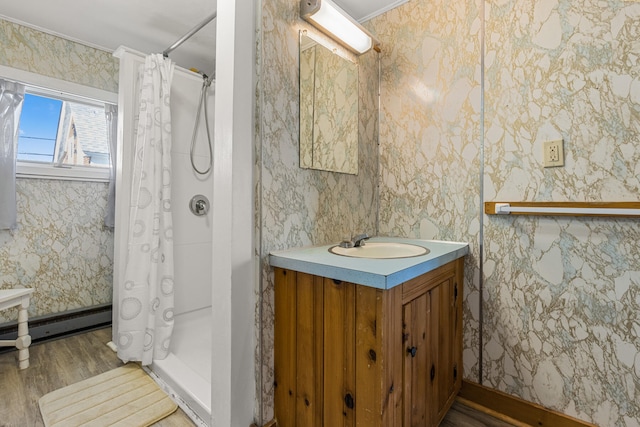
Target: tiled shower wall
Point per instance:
(60, 247)
(303, 206)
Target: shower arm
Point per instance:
(189, 34)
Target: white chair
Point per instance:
(11, 298)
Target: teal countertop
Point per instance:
(377, 273)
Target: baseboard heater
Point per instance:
(57, 325)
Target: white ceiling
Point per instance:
(363, 10)
(145, 25)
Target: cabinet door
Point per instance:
(431, 333)
(443, 330)
(457, 322)
(419, 356)
(447, 324)
(348, 355)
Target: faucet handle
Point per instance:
(359, 239)
(346, 244)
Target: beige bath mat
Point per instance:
(124, 396)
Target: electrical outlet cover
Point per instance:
(553, 154)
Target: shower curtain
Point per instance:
(11, 97)
(145, 303)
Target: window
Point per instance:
(38, 128)
(58, 132)
(63, 132)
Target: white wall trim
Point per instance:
(232, 368)
(63, 86)
(48, 171)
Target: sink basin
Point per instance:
(381, 250)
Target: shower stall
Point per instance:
(186, 371)
(210, 363)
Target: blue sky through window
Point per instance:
(38, 128)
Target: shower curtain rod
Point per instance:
(189, 34)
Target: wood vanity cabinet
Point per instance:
(353, 355)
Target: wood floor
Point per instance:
(58, 363)
(53, 365)
(464, 416)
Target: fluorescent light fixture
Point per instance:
(336, 23)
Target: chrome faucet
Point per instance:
(359, 240)
(355, 242)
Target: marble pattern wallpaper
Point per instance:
(430, 135)
(298, 207)
(60, 247)
(329, 111)
(562, 295)
(470, 90)
(560, 300)
(31, 50)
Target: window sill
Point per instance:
(74, 173)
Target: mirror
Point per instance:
(328, 109)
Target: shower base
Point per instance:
(186, 371)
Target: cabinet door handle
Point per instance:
(412, 351)
(348, 400)
(432, 374)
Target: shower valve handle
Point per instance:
(199, 205)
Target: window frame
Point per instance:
(40, 85)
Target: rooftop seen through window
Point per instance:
(62, 132)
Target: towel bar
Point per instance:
(601, 209)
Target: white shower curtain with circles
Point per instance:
(146, 296)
